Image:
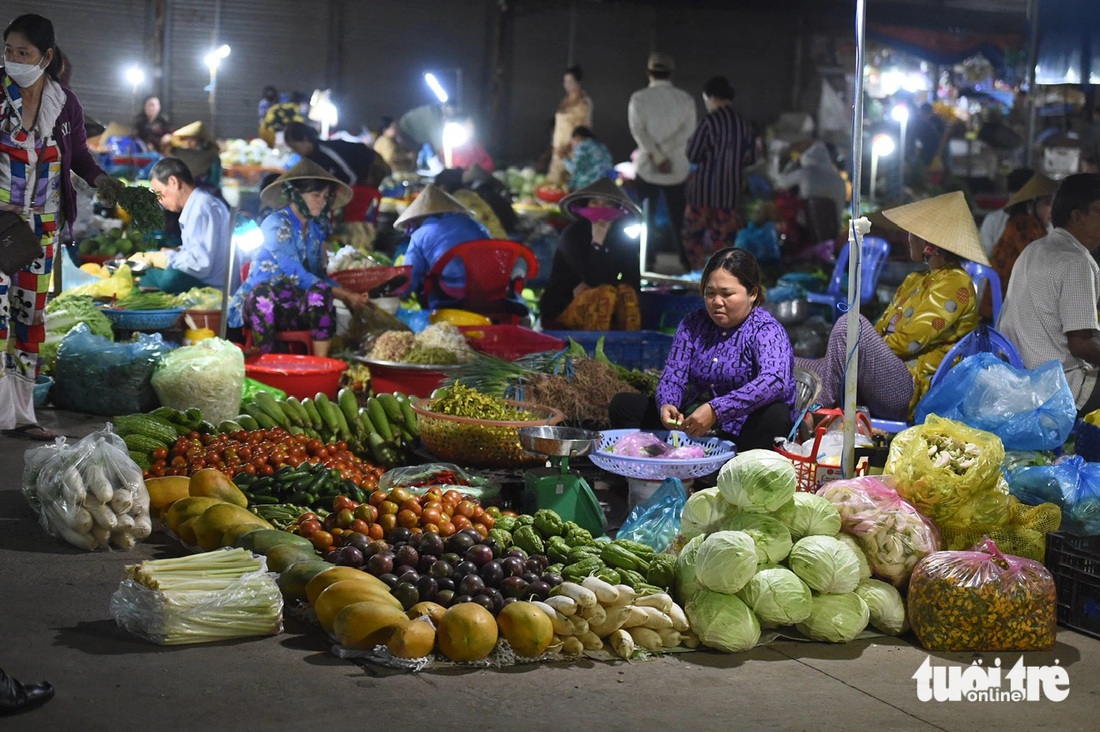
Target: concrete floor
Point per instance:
(55, 625)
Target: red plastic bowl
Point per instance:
(298, 376)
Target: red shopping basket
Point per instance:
(810, 473)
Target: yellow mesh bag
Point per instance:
(1025, 535)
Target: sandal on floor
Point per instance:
(32, 432)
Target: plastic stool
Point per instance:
(292, 339)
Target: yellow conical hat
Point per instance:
(945, 221)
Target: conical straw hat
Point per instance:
(194, 129)
(1037, 186)
(945, 221)
(601, 188)
(272, 195)
(431, 201)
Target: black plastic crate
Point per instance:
(1074, 561)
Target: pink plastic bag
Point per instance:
(893, 534)
(648, 445)
(982, 600)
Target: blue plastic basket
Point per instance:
(42, 386)
(636, 349)
(1087, 444)
(143, 319)
(718, 452)
(663, 311)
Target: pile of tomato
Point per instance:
(260, 452)
(439, 511)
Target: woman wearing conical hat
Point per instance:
(1028, 219)
(287, 287)
(930, 312)
(198, 150)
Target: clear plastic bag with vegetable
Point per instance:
(208, 375)
(90, 493)
(982, 600)
(419, 478)
(894, 536)
(648, 445)
(656, 521)
(62, 315)
(98, 376)
(950, 473)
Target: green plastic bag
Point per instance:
(251, 386)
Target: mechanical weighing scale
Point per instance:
(555, 486)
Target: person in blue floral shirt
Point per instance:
(287, 287)
(590, 160)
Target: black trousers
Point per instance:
(674, 202)
(773, 420)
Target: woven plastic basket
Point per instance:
(717, 453)
(481, 442)
(366, 279)
(143, 319)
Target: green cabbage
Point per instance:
(702, 512)
(809, 515)
(885, 604)
(825, 564)
(864, 565)
(777, 596)
(722, 621)
(726, 561)
(835, 618)
(773, 541)
(758, 481)
(686, 582)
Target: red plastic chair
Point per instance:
(289, 338)
(495, 277)
(364, 204)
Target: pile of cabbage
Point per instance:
(762, 556)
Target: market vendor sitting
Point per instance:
(205, 229)
(287, 287)
(436, 223)
(731, 366)
(930, 312)
(595, 278)
(352, 162)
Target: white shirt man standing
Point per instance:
(662, 119)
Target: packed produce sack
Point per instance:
(1024, 534)
(417, 479)
(1029, 409)
(893, 534)
(98, 376)
(949, 472)
(1070, 483)
(656, 521)
(117, 285)
(982, 600)
(90, 493)
(208, 376)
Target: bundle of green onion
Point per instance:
(200, 598)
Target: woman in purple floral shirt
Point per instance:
(731, 366)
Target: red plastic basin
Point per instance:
(298, 376)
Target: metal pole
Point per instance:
(855, 246)
(1032, 59)
(572, 53)
(229, 273)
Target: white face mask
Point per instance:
(23, 74)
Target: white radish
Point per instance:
(125, 523)
(123, 540)
(613, 621)
(572, 646)
(689, 639)
(646, 638)
(660, 600)
(582, 595)
(679, 619)
(626, 595)
(580, 625)
(555, 645)
(97, 483)
(100, 535)
(121, 501)
(670, 637)
(140, 497)
(143, 526)
(86, 541)
(72, 484)
(82, 521)
(655, 619)
(103, 516)
(567, 606)
(635, 617)
(561, 624)
(591, 641)
(622, 644)
(595, 615)
(606, 593)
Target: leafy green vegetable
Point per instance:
(723, 621)
(758, 481)
(726, 561)
(62, 315)
(777, 596)
(772, 540)
(885, 605)
(687, 584)
(825, 564)
(702, 512)
(809, 515)
(143, 205)
(835, 618)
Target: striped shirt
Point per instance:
(720, 148)
(1053, 290)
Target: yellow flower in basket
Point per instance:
(1093, 417)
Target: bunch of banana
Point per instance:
(383, 431)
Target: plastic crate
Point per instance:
(636, 349)
(509, 342)
(1074, 561)
(663, 311)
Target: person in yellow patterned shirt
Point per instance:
(930, 312)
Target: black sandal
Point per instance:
(32, 432)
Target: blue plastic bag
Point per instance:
(656, 521)
(1070, 483)
(98, 376)
(760, 239)
(1029, 409)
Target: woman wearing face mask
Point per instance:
(931, 311)
(731, 366)
(42, 142)
(594, 280)
(287, 287)
(437, 223)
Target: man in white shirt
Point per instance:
(1050, 309)
(662, 119)
(204, 228)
